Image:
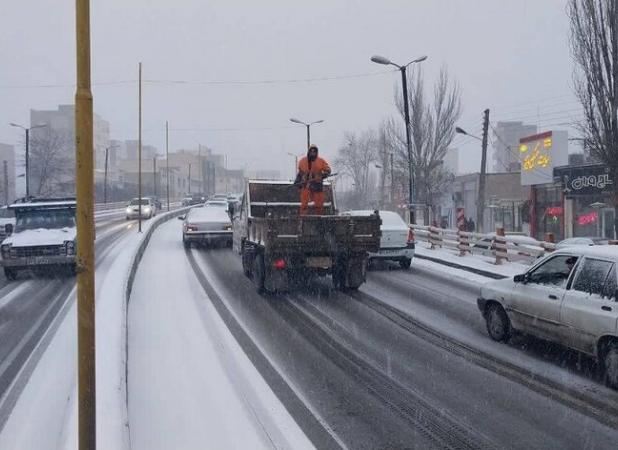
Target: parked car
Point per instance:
(568, 297)
(397, 240)
(144, 208)
(207, 224)
(582, 241)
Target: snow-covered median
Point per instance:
(45, 415)
(190, 384)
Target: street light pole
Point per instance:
(308, 125)
(139, 153)
(167, 162)
(84, 187)
(406, 110)
(105, 177)
(27, 130)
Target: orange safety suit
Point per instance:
(310, 177)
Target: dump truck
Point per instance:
(276, 244)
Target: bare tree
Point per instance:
(594, 45)
(355, 160)
(51, 162)
(432, 125)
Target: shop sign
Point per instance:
(539, 154)
(584, 180)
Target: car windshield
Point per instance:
(48, 219)
(136, 202)
(6, 213)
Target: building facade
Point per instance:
(7, 174)
(506, 144)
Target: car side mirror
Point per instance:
(181, 217)
(8, 229)
(521, 278)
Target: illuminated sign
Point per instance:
(539, 154)
(590, 179)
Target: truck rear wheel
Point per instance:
(258, 273)
(247, 256)
(356, 269)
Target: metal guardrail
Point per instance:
(99, 207)
(487, 244)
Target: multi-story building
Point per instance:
(52, 150)
(451, 161)
(506, 144)
(7, 173)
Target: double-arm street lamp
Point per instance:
(308, 125)
(406, 109)
(27, 130)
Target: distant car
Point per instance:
(156, 202)
(217, 204)
(568, 297)
(144, 208)
(582, 241)
(397, 241)
(7, 222)
(218, 197)
(194, 199)
(208, 224)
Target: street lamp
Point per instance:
(27, 130)
(464, 132)
(406, 109)
(308, 125)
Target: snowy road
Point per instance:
(28, 307)
(371, 378)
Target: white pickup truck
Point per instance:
(43, 237)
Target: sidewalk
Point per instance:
(477, 264)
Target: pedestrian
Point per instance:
(311, 173)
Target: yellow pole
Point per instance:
(84, 186)
(139, 154)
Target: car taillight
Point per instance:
(410, 236)
(190, 228)
(279, 264)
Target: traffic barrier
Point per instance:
(435, 237)
(500, 246)
(463, 239)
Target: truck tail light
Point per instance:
(279, 264)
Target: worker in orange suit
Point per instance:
(311, 173)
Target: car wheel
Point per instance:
(128, 218)
(258, 273)
(610, 364)
(246, 256)
(498, 323)
(10, 274)
(186, 243)
(405, 263)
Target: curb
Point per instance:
(137, 257)
(481, 272)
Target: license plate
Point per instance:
(37, 261)
(390, 252)
(319, 262)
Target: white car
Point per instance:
(146, 208)
(217, 204)
(397, 241)
(582, 241)
(207, 224)
(568, 297)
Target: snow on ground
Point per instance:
(190, 384)
(486, 263)
(45, 415)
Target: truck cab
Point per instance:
(43, 237)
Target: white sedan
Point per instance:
(568, 297)
(207, 224)
(144, 208)
(397, 240)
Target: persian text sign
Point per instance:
(584, 180)
(539, 154)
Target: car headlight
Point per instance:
(227, 227)
(70, 248)
(6, 251)
(128, 210)
(147, 209)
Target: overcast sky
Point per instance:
(511, 56)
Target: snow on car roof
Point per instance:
(44, 204)
(600, 251)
